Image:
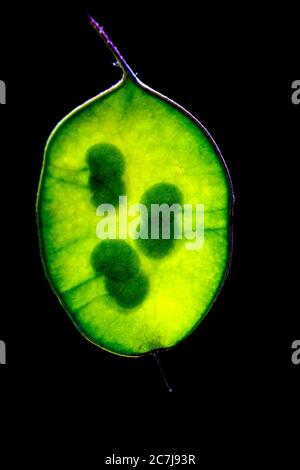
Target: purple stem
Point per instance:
(123, 64)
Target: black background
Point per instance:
(235, 390)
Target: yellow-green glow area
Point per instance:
(159, 143)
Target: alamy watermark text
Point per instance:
(164, 221)
(2, 92)
(2, 352)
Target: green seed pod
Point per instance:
(134, 295)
